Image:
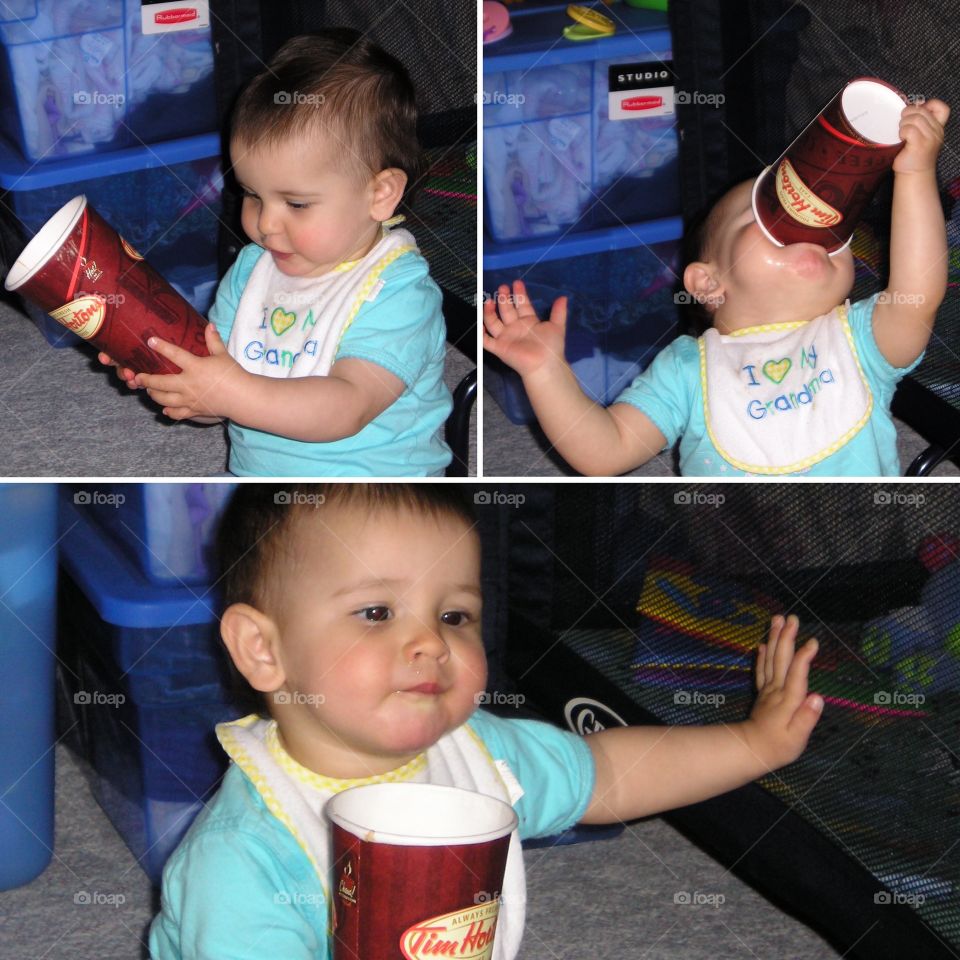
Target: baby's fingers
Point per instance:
(492, 324)
(782, 649)
(799, 672)
(505, 304)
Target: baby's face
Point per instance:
(380, 638)
(761, 282)
(301, 205)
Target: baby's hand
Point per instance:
(921, 129)
(784, 715)
(517, 336)
(206, 387)
(124, 373)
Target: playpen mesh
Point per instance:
(666, 592)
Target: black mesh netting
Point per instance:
(667, 592)
(777, 63)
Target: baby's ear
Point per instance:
(388, 187)
(251, 638)
(701, 281)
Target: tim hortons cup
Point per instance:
(818, 189)
(87, 277)
(417, 871)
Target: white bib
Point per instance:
(781, 397)
(457, 759)
(291, 326)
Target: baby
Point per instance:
(326, 340)
(354, 612)
(785, 381)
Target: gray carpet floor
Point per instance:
(605, 900)
(510, 450)
(63, 414)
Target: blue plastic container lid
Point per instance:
(18, 174)
(120, 594)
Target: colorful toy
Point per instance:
(496, 22)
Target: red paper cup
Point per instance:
(86, 276)
(417, 871)
(818, 189)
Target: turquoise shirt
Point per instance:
(239, 885)
(403, 332)
(669, 392)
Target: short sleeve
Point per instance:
(553, 766)
(665, 391)
(225, 895)
(224, 309)
(875, 365)
(402, 330)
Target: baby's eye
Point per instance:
(454, 618)
(247, 195)
(297, 206)
(374, 614)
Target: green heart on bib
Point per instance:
(281, 321)
(776, 370)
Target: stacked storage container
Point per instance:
(145, 679)
(91, 105)
(581, 191)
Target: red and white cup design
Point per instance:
(818, 189)
(417, 871)
(86, 276)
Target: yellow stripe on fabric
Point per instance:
(368, 284)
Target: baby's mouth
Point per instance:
(427, 688)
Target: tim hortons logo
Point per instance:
(801, 202)
(84, 316)
(464, 933)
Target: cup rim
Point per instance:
(503, 820)
(890, 99)
(46, 242)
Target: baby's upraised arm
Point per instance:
(904, 315)
(595, 440)
(646, 770)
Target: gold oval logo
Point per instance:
(801, 202)
(466, 933)
(130, 251)
(84, 316)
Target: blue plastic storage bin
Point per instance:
(80, 77)
(167, 529)
(567, 144)
(28, 581)
(621, 313)
(163, 199)
(144, 687)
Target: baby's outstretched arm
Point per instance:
(596, 440)
(646, 770)
(904, 315)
